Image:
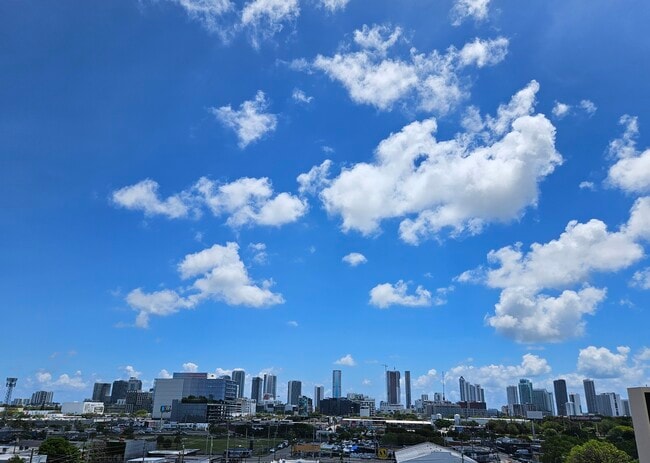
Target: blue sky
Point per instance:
(300, 185)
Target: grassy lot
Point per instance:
(218, 444)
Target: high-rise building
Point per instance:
(609, 404)
(640, 408)
(525, 391)
(257, 389)
(392, 387)
(294, 391)
(336, 384)
(319, 394)
(590, 396)
(239, 376)
(407, 388)
(134, 384)
(577, 402)
(462, 388)
(513, 397)
(102, 392)
(543, 400)
(270, 386)
(42, 398)
(119, 390)
(561, 396)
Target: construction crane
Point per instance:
(11, 384)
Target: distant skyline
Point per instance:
(292, 187)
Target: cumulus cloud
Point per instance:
(426, 381)
(631, 172)
(346, 360)
(487, 174)
(300, 96)
(267, 17)
(354, 258)
(292, 323)
(560, 109)
(246, 201)
(250, 122)
(63, 382)
(588, 106)
(475, 9)
(143, 196)
(316, 179)
(218, 274)
(259, 252)
(431, 80)
(190, 367)
(525, 311)
(641, 279)
(587, 185)
(600, 362)
(131, 372)
(164, 374)
(386, 294)
(334, 5)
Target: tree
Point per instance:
(15, 459)
(60, 450)
(595, 451)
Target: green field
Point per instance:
(218, 444)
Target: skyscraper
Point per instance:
(134, 384)
(575, 399)
(294, 391)
(319, 394)
(42, 398)
(462, 388)
(120, 387)
(256, 389)
(270, 386)
(407, 388)
(525, 391)
(239, 376)
(561, 396)
(513, 397)
(336, 384)
(102, 392)
(590, 396)
(392, 387)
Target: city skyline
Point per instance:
(425, 187)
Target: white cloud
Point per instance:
(131, 372)
(250, 201)
(600, 362)
(525, 313)
(250, 122)
(354, 258)
(479, 177)
(260, 255)
(218, 273)
(301, 97)
(346, 360)
(209, 13)
(164, 374)
(483, 53)
(316, 179)
(292, 323)
(499, 375)
(587, 185)
(385, 295)
(267, 17)
(560, 109)
(334, 5)
(246, 201)
(631, 172)
(143, 196)
(588, 106)
(190, 367)
(463, 9)
(366, 382)
(63, 382)
(426, 381)
(431, 80)
(641, 278)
